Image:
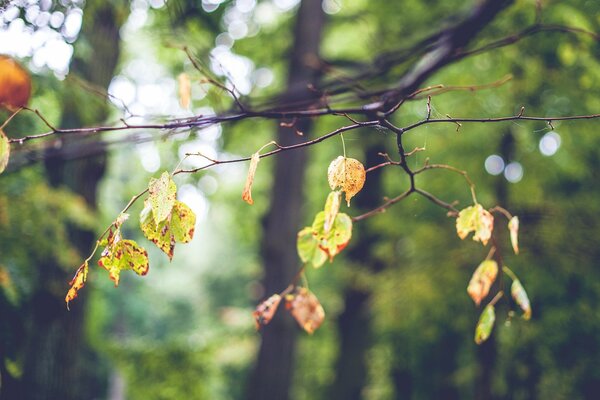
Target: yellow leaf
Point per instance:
(348, 174)
(15, 84)
(513, 227)
(475, 219)
(332, 206)
(306, 309)
(185, 90)
(482, 279)
(247, 193)
(77, 283)
(266, 310)
(163, 194)
(4, 151)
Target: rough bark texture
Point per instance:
(58, 362)
(273, 372)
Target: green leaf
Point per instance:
(162, 196)
(177, 227)
(334, 241)
(4, 151)
(124, 255)
(485, 324)
(475, 219)
(332, 207)
(520, 295)
(308, 248)
(482, 279)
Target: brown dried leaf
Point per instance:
(482, 279)
(266, 310)
(77, 283)
(306, 309)
(15, 84)
(247, 193)
(348, 174)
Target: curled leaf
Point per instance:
(475, 219)
(247, 193)
(332, 207)
(178, 227)
(15, 84)
(513, 228)
(482, 279)
(266, 310)
(348, 174)
(162, 196)
(124, 255)
(4, 151)
(520, 295)
(306, 309)
(308, 248)
(485, 324)
(77, 283)
(185, 90)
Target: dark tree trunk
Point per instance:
(354, 324)
(58, 362)
(273, 372)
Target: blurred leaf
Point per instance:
(520, 295)
(185, 90)
(475, 219)
(306, 309)
(332, 207)
(266, 310)
(513, 227)
(124, 255)
(4, 151)
(308, 248)
(179, 227)
(15, 84)
(247, 193)
(162, 196)
(348, 174)
(77, 283)
(482, 279)
(485, 324)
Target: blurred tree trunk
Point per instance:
(59, 363)
(273, 371)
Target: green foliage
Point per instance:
(485, 324)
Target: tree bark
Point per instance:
(272, 376)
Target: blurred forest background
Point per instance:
(399, 323)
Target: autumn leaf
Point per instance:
(348, 174)
(334, 241)
(178, 227)
(247, 193)
(185, 90)
(306, 309)
(332, 207)
(4, 151)
(162, 196)
(485, 324)
(266, 310)
(15, 84)
(77, 283)
(520, 295)
(513, 228)
(482, 279)
(124, 255)
(475, 219)
(308, 248)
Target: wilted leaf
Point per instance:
(124, 255)
(247, 193)
(185, 90)
(482, 279)
(332, 207)
(306, 309)
(334, 241)
(162, 196)
(178, 227)
(77, 283)
(266, 310)
(121, 219)
(308, 248)
(485, 324)
(513, 227)
(520, 295)
(348, 174)
(4, 151)
(15, 84)
(475, 219)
